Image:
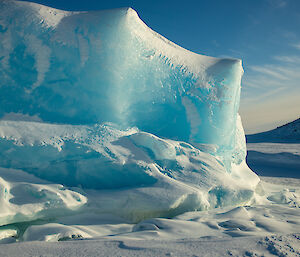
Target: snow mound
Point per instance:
(26, 198)
(268, 222)
(162, 177)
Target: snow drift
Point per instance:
(132, 123)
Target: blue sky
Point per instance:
(265, 34)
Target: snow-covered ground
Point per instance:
(268, 227)
(258, 230)
(276, 153)
(40, 218)
(274, 159)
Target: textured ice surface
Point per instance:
(148, 176)
(121, 119)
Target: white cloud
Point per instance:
(284, 73)
(268, 70)
(281, 3)
(289, 59)
(278, 3)
(297, 46)
(215, 43)
(271, 93)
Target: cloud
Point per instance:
(215, 43)
(284, 72)
(278, 3)
(288, 59)
(268, 70)
(297, 46)
(271, 93)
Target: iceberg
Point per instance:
(108, 66)
(123, 119)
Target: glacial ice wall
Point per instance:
(108, 66)
(121, 119)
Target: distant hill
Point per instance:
(288, 133)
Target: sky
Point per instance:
(265, 34)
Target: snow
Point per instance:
(269, 228)
(271, 152)
(275, 148)
(26, 198)
(114, 141)
(148, 176)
